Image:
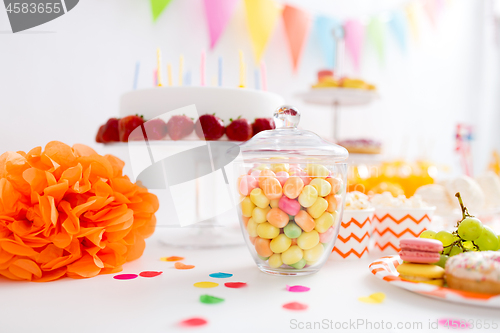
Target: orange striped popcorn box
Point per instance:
(390, 225)
(354, 235)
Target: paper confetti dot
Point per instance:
(173, 258)
(297, 289)
(125, 276)
(149, 274)
(193, 322)
(235, 284)
(373, 298)
(208, 299)
(221, 275)
(205, 284)
(295, 306)
(180, 265)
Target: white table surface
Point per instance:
(104, 304)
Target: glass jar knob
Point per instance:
(286, 117)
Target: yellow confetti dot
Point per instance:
(205, 284)
(373, 298)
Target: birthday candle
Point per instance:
(169, 74)
(202, 68)
(256, 76)
(188, 78)
(155, 77)
(158, 73)
(136, 74)
(242, 70)
(263, 75)
(181, 69)
(220, 72)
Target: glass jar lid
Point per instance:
(287, 141)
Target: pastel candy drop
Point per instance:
(282, 177)
(262, 246)
(294, 169)
(277, 217)
(292, 230)
(247, 184)
(289, 206)
(310, 263)
(333, 202)
(318, 208)
(293, 186)
(313, 255)
(322, 186)
(327, 236)
(299, 264)
(275, 260)
(252, 228)
(264, 175)
(279, 167)
(336, 184)
(263, 258)
(305, 221)
(256, 174)
(259, 214)
(304, 176)
(258, 198)
(252, 239)
(247, 207)
(294, 241)
(308, 196)
(308, 240)
(317, 171)
(267, 231)
(274, 203)
(272, 188)
(324, 222)
(280, 244)
(292, 255)
(245, 220)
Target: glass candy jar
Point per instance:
(291, 186)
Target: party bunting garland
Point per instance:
(263, 15)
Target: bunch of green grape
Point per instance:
(470, 235)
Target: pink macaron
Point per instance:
(420, 250)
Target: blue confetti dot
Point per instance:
(220, 275)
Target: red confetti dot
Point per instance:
(125, 276)
(235, 284)
(149, 274)
(295, 306)
(193, 322)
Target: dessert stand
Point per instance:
(337, 97)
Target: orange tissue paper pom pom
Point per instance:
(68, 211)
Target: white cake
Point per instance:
(226, 103)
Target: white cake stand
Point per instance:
(222, 230)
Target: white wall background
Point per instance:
(60, 81)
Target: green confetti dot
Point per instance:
(208, 299)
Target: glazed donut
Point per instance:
(474, 271)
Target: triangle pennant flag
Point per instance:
(354, 37)
(376, 32)
(262, 16)
(323, 28)
(158, 6)
(412, 16)
(399, 27)
(430, 8)
(297, 24)
(218, 13)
